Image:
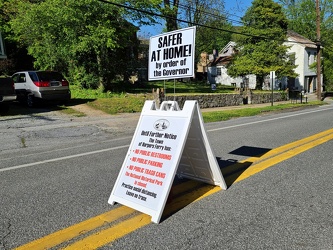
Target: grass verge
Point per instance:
(252, 111)
(115, 105)
(129, 102)
(134, 104)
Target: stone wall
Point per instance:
(222, 100)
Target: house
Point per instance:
(216, 71)
(305, 53)
(302, 51)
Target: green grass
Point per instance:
(90, 94)
(133, 97)
(123, 104)
(248, 111)
(121, 89)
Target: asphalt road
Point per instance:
(57, 172)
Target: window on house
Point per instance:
(218, 72)
(315, 57)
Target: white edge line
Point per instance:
(62, 158)
(267, 120)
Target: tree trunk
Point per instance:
(100, 71)
(171, 13)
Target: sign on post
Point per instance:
(167, 141)
(172, 54)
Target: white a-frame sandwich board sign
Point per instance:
(167, 141)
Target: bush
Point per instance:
(78, 76)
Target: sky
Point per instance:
(235, 8)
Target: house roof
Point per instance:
(221, 61)
(228, 49)
(301, 40)
(225, 55)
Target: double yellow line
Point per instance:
(284, 152)
(106, 228)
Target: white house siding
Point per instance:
(299, 53)
(310, 75)
(219, 75)
(304, 57)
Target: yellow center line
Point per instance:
(127, 226)
(288, 146)
(282, 157)
(86, 226)
(108, 235)
(274, 152)
(69, 233)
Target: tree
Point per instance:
(82, 38)
(17, 57)
(61, 36)
(260, 47)
(170, 11)
(210, 14)
(301, 16)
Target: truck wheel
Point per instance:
(4, 107)
(30, 101)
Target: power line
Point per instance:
(185, 7)
(196, 24)
(179, 20)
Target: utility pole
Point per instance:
(318, 51)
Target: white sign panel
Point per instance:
(172, 54)
(148, 169)
(152, 160)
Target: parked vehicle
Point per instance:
(34, 86)
(7, 93)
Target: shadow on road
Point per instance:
(232, 169)
(250, 151)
